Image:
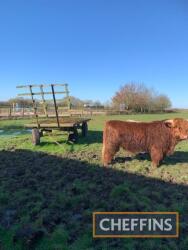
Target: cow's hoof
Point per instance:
(154, 165)
(106, 165)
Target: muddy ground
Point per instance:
(47, 200)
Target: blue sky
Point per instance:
(95, 45)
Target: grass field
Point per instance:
(48, 192)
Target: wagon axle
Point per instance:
(72, 133)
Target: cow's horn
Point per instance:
(169, 123)
(132, 121)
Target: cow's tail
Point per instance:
(105, 135)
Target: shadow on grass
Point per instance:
(92, 137)
(177, 157)
(46, 202)
(12, 126)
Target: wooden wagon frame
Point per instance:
(57, 122)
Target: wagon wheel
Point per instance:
(73, 137)
(41, 133)
(35, 136)
(84, 129)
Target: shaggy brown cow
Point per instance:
(157, 138)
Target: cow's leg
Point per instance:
(156, 156)
(170, 151)
(108, 152)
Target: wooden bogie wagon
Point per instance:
(49, 122)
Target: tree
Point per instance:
(139, 98)
(97, 104)
(162, 102)
(21, 102)
(126, 95)
(4, 104)
(75, 102)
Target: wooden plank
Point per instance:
(22, 86)
(38, 85)
(48, 124)
(45, 93)
(65, 120)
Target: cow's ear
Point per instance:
(169, 123)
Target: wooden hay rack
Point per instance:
(55, 122)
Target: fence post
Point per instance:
(10, 113)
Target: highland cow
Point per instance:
(158, 138)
